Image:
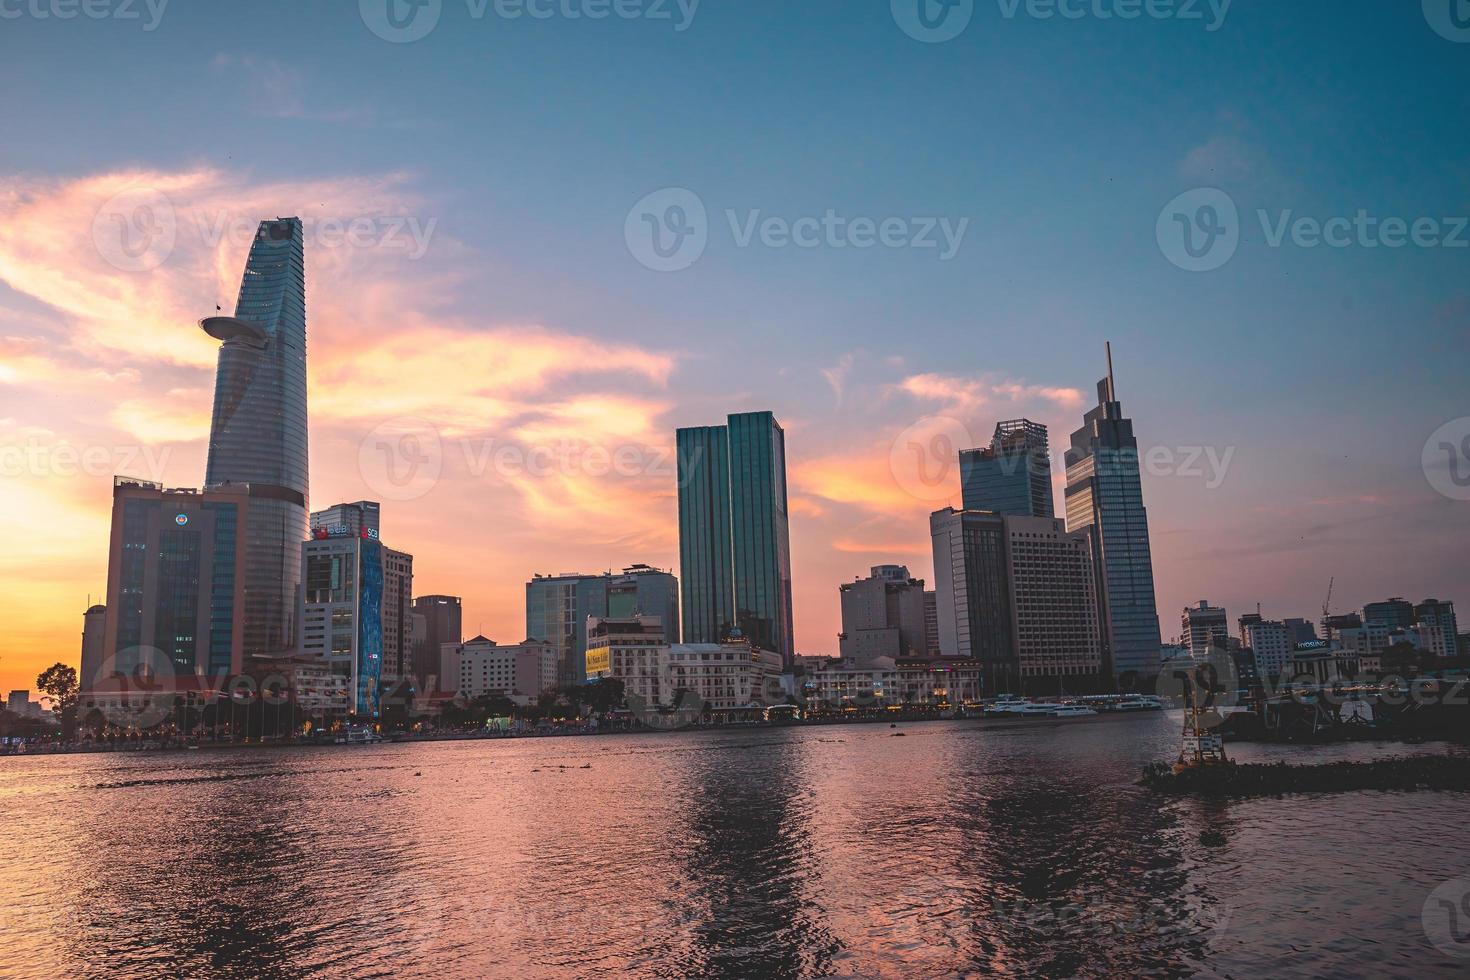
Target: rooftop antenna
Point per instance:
(1112, 392)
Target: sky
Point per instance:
(542, 235)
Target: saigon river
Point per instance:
(961, 848)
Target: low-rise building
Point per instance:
(917, 682)
(521, 672)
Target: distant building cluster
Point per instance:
(239, 578)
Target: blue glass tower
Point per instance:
(257, 434)
(1013, 475)
(734, 534)
(1105, 493)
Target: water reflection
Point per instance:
(955, 849)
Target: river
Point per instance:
(959, 849)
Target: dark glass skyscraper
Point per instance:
(1013, 475)
(257, 435)
(734, 535)
(1105, 493)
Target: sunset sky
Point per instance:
(488, 305)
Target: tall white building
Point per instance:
(1272, 643)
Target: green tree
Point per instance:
(59, 685)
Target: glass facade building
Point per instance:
(1013, 475)
(734, 533)
(557, 607)
(257, 435)
(346, 581)
(174, 582)
(1105, 494)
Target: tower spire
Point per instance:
(1112, 391)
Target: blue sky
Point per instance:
(1060, 140)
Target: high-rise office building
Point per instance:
(354, 612)
(1019, 595)
(1200, 624)
(1395, 613)
(1105, 493)
(1013, 475)
(557, 608)
(642, 590)
(355, 517)
(443, 624)
(972, 585)
(1438, 626)
(176, 585)
(257, 436)
(1055, 608)
(882, 616)
(734, 534)
(1272, 644)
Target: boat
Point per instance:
(1072, 711)
(358, 735)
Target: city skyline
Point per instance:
(496, 298)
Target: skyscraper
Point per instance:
(734, 534)
(257, 436)
(1105, 493)
(175, 589)
(356, 517)
(1019, 595)
(1201, 625)
(1013, 475)
(443, 623)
